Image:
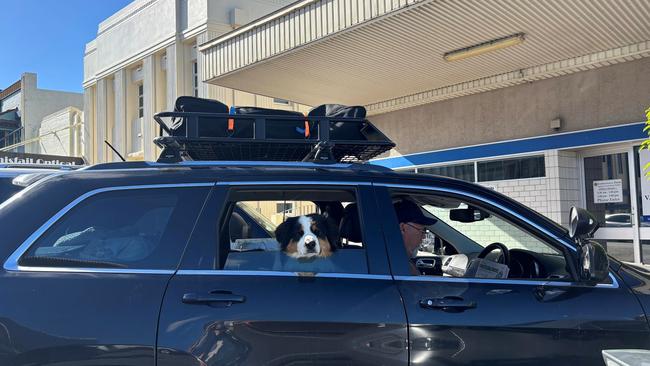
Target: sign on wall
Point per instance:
(644, 158)
(21, 158)
(608, 191)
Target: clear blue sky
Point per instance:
(48, 37)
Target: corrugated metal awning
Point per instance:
(387, 54)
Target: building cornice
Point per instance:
(124, 14)
(129, 61)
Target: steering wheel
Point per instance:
(505, 254)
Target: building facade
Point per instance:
(144, 57)
(542, 101)
(24, 111)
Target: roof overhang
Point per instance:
(388, 54)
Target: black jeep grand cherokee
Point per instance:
(225, 263)
(149, 263)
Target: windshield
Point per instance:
(483, 232)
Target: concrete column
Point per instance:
(88, 127)
(110, 120)
(120, 125)
(200, 63)
(100, 120)
(149, 83)
(175, 74)
(160, 97)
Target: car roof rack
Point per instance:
(267, 137)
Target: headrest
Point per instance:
(350, 227)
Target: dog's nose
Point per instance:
(310, 242)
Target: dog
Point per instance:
(308, 236)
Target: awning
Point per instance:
(388, 54)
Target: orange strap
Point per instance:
(231, 124)
(306, 129)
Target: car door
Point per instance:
(487, 321)
(85, 288)
(229, 306)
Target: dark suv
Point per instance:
(299, 263)
(149, 263)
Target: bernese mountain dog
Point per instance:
(308, 236)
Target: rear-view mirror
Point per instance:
(469, 214)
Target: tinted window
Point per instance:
(271, 230)
(140, 228)
(458, 171)
(530, 167)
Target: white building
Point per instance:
(144, 57)
(29, 106)
(541, 100)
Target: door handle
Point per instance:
(452, 304)
(545, 293)
(216, 296)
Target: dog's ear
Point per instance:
(332, 233)
(283, 232)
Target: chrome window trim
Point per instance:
(359, 276)
(291, 183)
(11, 264)
(96, 270)
(504, 281)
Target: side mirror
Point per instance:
(467, 214)
(594, 263)
(581, 223)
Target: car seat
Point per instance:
(350, 227)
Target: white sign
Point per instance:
(608, 191)
(644, 158)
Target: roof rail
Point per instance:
(226, 164)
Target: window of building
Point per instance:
(284, 207)
(458, 171)
(317, 231)
(518, 168)
(195, 79)
(121, 229)
(140, 101)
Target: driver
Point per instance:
(412, 225)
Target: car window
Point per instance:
(293, 231)
(463, 238)
(139, 228)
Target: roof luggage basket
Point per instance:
(326, 135)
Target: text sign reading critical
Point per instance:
(608, 191)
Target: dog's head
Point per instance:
(308, 236)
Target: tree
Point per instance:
(646, 144)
